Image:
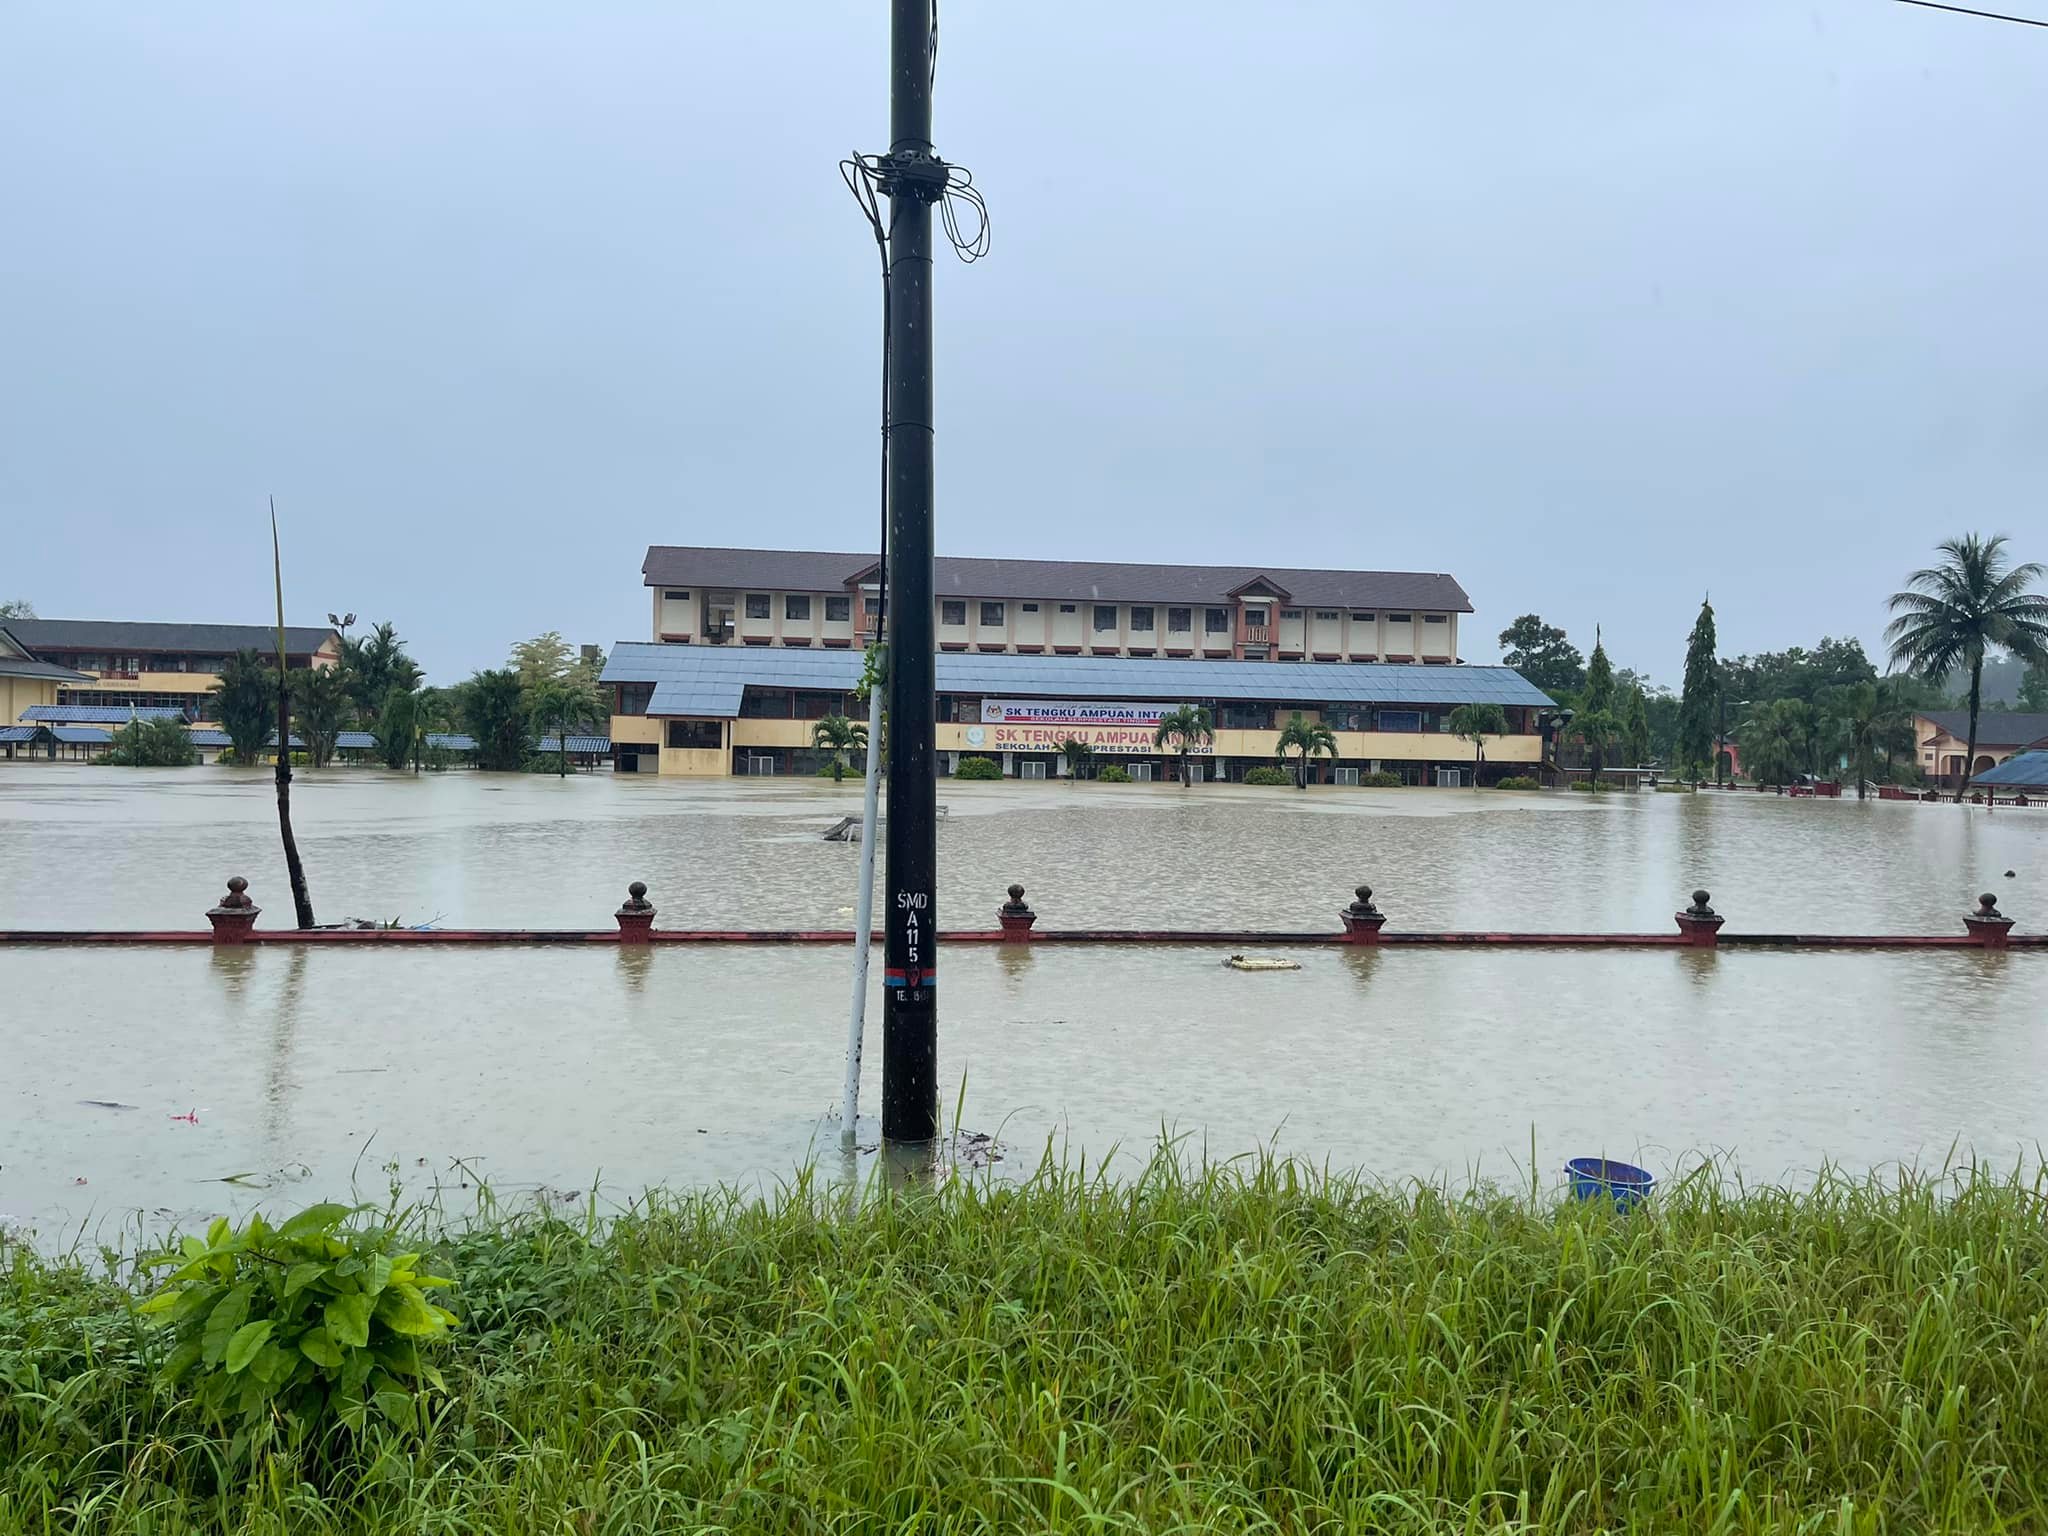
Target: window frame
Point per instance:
(845, 610)
(1096, 626)
(1143, 627)
(948, 606)
(767, 602)
(796, 607)
(1002, 611)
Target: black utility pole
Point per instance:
(913, 178)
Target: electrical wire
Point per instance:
(862, 183)
(1964, 10)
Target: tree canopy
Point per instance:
(1542, 654)
(1699, 696)
(247, 698)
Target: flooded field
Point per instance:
(556, 1068)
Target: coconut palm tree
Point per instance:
(1078, 755)
(1776, 740)
(839, 736)
(1184, 729)
(1306, 737)
(1951, 613)
(1474, 723)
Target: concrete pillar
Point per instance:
(636, 915)
(235, 915)
(1700, 923)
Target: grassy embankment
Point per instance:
(1249, 1348)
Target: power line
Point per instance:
(1964, 10)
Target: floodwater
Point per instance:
(310, 1072)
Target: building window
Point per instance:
(1244, 717)
(1255, 615)
(1361, 618)
(1432, 618)
(1326, 615)
(694, 735)
(1216, 621)
(816, 706)
(757, 605)
(1399, 618)
(765, 704)
(1347, 717)
(797, 607)
(871, 606)
(1105, 618)
(676, 597)
(991, 615)
(635, 697)
(1290, 613)
(838, 610)
(1067, 608)
(1141, 621)
(1180, 621)
(953, 611)
(1030, 607)
(1399, 720)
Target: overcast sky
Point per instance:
(1596, 304)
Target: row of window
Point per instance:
(788, 704)
(796, 609)
(94, 661)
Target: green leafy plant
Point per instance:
(151, 744)
(1265, 775)
(1185, 730)
(1379, 779)
(1112, 774)
(839, 736)
(978, 768)
(316, 1320)
(1516, 781)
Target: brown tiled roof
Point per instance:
(783, 570)
(1995, 727)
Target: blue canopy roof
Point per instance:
(2028, 770)
(576, 743)
(355, 741)
(81, 735)
(451, 741)
(706, 680)
(11, 733)
(100, 714)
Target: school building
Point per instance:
(715, 711)
(810, 600)
(119, 666)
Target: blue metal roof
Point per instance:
(576, 743)
(81, 735)
(100, 714)
(211, 738)
(10, 733)
(355, 741)
(707, 680)
(2028, 770)
(451, 741)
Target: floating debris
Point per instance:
(105, 1104)
(1261, 963)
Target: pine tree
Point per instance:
(1702, 693)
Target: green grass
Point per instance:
(1256, 1347)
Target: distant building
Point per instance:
(27, 680)
(814, 600)
(119, 664)
(1944, 737)
(714, 712)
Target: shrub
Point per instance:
(1517, 781)
(1380, 780)
(1114, 775)
(978, 768)
(151, 744)
(1268, 776)
(312, 1320)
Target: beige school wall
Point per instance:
(1352, 746)
(20, 693)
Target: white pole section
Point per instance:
(863, 918)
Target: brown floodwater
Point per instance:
(310, 1072)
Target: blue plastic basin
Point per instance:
(1598, 1178)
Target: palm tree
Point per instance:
(1597, 728)
(1474, 723)
(838, 735)
(1775, 740)
(1951, 613)
(374, 665)
(1306, 737)
(243, 697)
(1184, 729)
(1870, 717)
(1078, 755)
(321, 698)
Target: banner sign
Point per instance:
(1070, 712)
(1041, 725)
